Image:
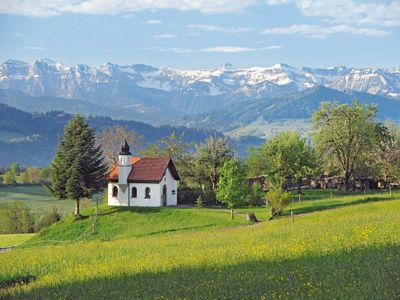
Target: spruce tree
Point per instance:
(78, 169)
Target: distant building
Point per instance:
(142, 181)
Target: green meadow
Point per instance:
(14, 239)
(36, 197)
(339, 246)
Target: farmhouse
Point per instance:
(142, 181)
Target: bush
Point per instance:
(9, 178)
(46, 220)
(24, 178)
(256, 195)
(277, 199)
(199, 202)
(86, 203)
(19, 219)
(188, 195)
(105, 197)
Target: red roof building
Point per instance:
(146, 169)
(142, 181)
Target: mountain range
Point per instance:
(249, 105)
(151, 94)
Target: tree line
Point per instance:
(15, 174)
(345, 140)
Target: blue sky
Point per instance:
(203, 34)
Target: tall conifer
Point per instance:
(78, 169)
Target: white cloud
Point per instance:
(38, 8)
(219, 49)
(165, 36)
(153, 22)
(172, 49)
(228, 30)
(36, 48)
(317, 31)
(349, 11)
(17, 34)
(230, 49)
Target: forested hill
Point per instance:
(256, 117)
(31, 138)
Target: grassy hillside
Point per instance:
(348, 252)
(118, 223)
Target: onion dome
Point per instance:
(125, 149)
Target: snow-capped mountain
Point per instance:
(145, 89)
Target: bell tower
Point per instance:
(124, 165)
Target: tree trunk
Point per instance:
(299, 186)
(232, 213)
(346, 182)
(77, 212)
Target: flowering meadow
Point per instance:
(352, 251)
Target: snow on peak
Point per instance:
(226, 80)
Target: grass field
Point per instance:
(14, 239)
(317, 200)
(352, 252)
(36, 197)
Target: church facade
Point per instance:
(142, 181)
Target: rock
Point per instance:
(251, 217)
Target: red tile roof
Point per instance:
(146, 169)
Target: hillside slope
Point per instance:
(35, 135)
(112, 109)
(349, 252)
(268, 115)
(119, 222)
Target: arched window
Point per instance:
(134, 192)
(147, 193)
(115, 191)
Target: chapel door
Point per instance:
(164, 195)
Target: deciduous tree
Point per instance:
(15, 168)
(9, 177)
(175, 148)
(286, 154)
(232, 188)
(111, 139)
(344, 135)
(210, 157)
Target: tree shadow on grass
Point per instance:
(175, 230)
(140, 210)
(372, 272)
(80, 217)
(314, 208)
